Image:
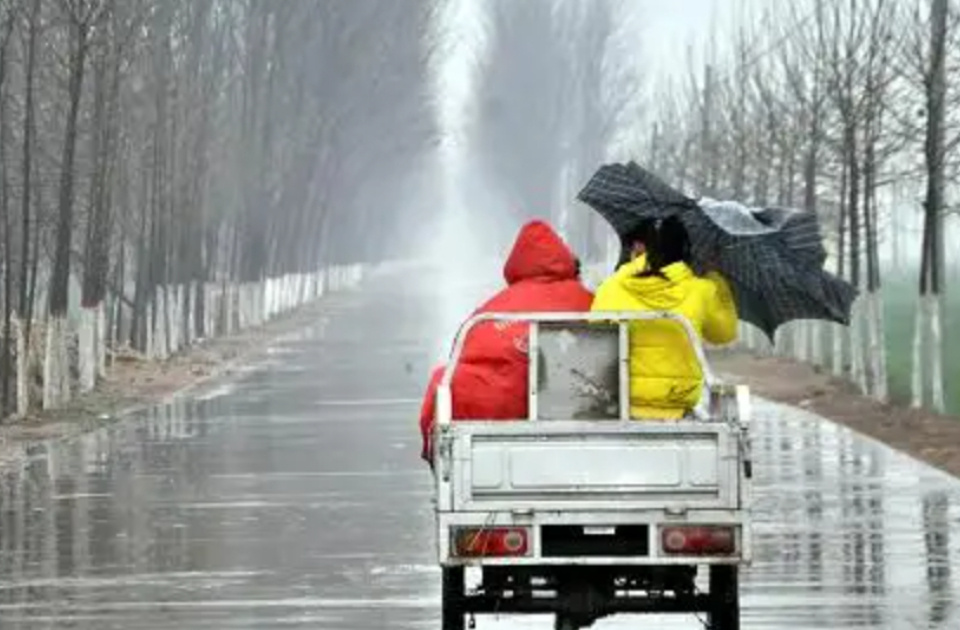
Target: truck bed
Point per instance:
(584, 465)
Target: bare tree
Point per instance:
(6, 343)
(539, 145)
(202, 153)
(932, 266)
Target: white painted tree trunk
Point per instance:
(242, 307)
(936, 354)
(101, 341)
(288, 292)
(858, 372)
(166, 322)
(149, 346)
(877, 354)
(268, 299)
(226, 308)
(56, 364)
(160, 332)
(778, 344)
(183, 332)
(800, 341)
(816, 343)
(253, 316)
(837, 358)
(87, 349)
(231, 296)
(249, 304)
(23, 368)
(209, 309)
(196, 295)
(176, 318)
(256, 303)
(916, 374)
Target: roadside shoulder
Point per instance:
(134, 382)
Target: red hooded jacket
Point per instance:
(490, 381)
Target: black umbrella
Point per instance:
(772, 257)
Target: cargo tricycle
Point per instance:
(579, 510)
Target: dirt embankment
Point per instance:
(928, 436)
(132, 381)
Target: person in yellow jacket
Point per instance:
(666, 381)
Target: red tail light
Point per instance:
(690, 540)
(476, 542)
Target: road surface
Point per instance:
(295, 499)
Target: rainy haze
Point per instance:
(179, 174)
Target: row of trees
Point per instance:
(549, 104)
(845, 108)
(150, 145)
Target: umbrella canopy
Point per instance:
(773, 257)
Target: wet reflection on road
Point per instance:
(294, 499)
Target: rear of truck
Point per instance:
(580, 510)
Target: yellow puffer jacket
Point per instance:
(665, 378)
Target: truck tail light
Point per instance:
(698, 540)
(483, 542)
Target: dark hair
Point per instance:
(669, 244)
(643, 232)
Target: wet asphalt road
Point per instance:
(295, 499)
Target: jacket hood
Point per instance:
(656, 292)
(539, 253)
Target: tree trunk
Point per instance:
(877, 354)
(57, 369)
(60, 281)
(26, 282)
(857, 363)
(838, 332)
(6, 343)
(932, 271)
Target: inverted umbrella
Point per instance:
(772, 257)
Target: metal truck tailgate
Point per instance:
(589, 465)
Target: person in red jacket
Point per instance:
(490, 379)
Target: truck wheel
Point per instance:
(564, 622)
(724, 598)
(453, 595)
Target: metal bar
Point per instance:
(533, 352)
(623, 369)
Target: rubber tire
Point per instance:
(725, 598)
(564, 623)
(453, 595)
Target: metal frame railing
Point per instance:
(623, 319)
